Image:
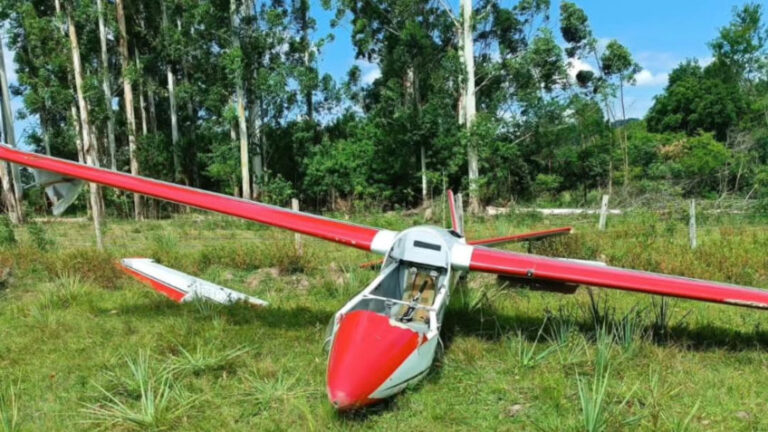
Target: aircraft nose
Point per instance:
(367, 349)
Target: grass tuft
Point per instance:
(7, 236)
(153, 402)
(203, 359)
(10, 420)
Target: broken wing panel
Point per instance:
(568, 271)
(181, 287)
(536, 235)
(361, 237)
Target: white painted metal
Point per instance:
(62, 191)
(195, 288)
(383, 241)
(413, 369)
(461, 255)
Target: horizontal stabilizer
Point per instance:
(531, 236)
(62, 191)
(181, 287)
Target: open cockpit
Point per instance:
(412, 288)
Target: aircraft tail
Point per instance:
(62, 191)
(457, 212)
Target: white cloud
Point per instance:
(371, 76)
(646, 78)
(575, 65)
(658, 60)
(370, 71)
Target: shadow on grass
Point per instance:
(488, 324)
(238, 315)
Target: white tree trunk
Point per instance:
(10, 134)
(245, 172)
(6, 190)
(78, 133)
(106, 87)
(89, 148)
(138, 207)
(171, 80)
(470, 110)
(424, 192)
(142, 104)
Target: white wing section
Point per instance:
(182, 287)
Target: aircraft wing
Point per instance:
(530, 236)
(361, 237)
(539, 268)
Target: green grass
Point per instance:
(83, 347)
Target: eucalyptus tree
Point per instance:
(89, 145)
(11, 184)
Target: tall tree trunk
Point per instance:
(45, 130)
(89, 148)
(171, 85)
(470, 110)
(6, 190)
(624, 141)
(245, 171)
(78, 132)
(307, 56)
(151, 106)
(138, 208)
(142, 104)
(106, 87)
(10, 137)
(257, 138)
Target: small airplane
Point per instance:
(385, 338)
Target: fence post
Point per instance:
(295, 207)
(603, 212)
(692, 225)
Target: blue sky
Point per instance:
(660, 34)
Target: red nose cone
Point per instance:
(366, 351)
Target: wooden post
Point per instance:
(603, 212)
(295, 207)
(692, 225)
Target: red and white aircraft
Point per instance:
(385, 338)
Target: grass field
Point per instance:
(84, 347)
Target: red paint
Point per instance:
(366, 350)
(316, 226)
(522, 237)
(552, 269)
(166, 290)
(452, 206)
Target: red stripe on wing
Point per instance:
(166, 290)
(536, 235)
(357, 236)
(553, 269)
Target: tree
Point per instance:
(130, 117)
(89, 146)
(9, 175)
(106, 86)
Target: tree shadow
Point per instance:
(240, 314)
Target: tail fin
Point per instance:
(62, 191)
(457, 212)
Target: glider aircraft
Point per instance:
(385, 338)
